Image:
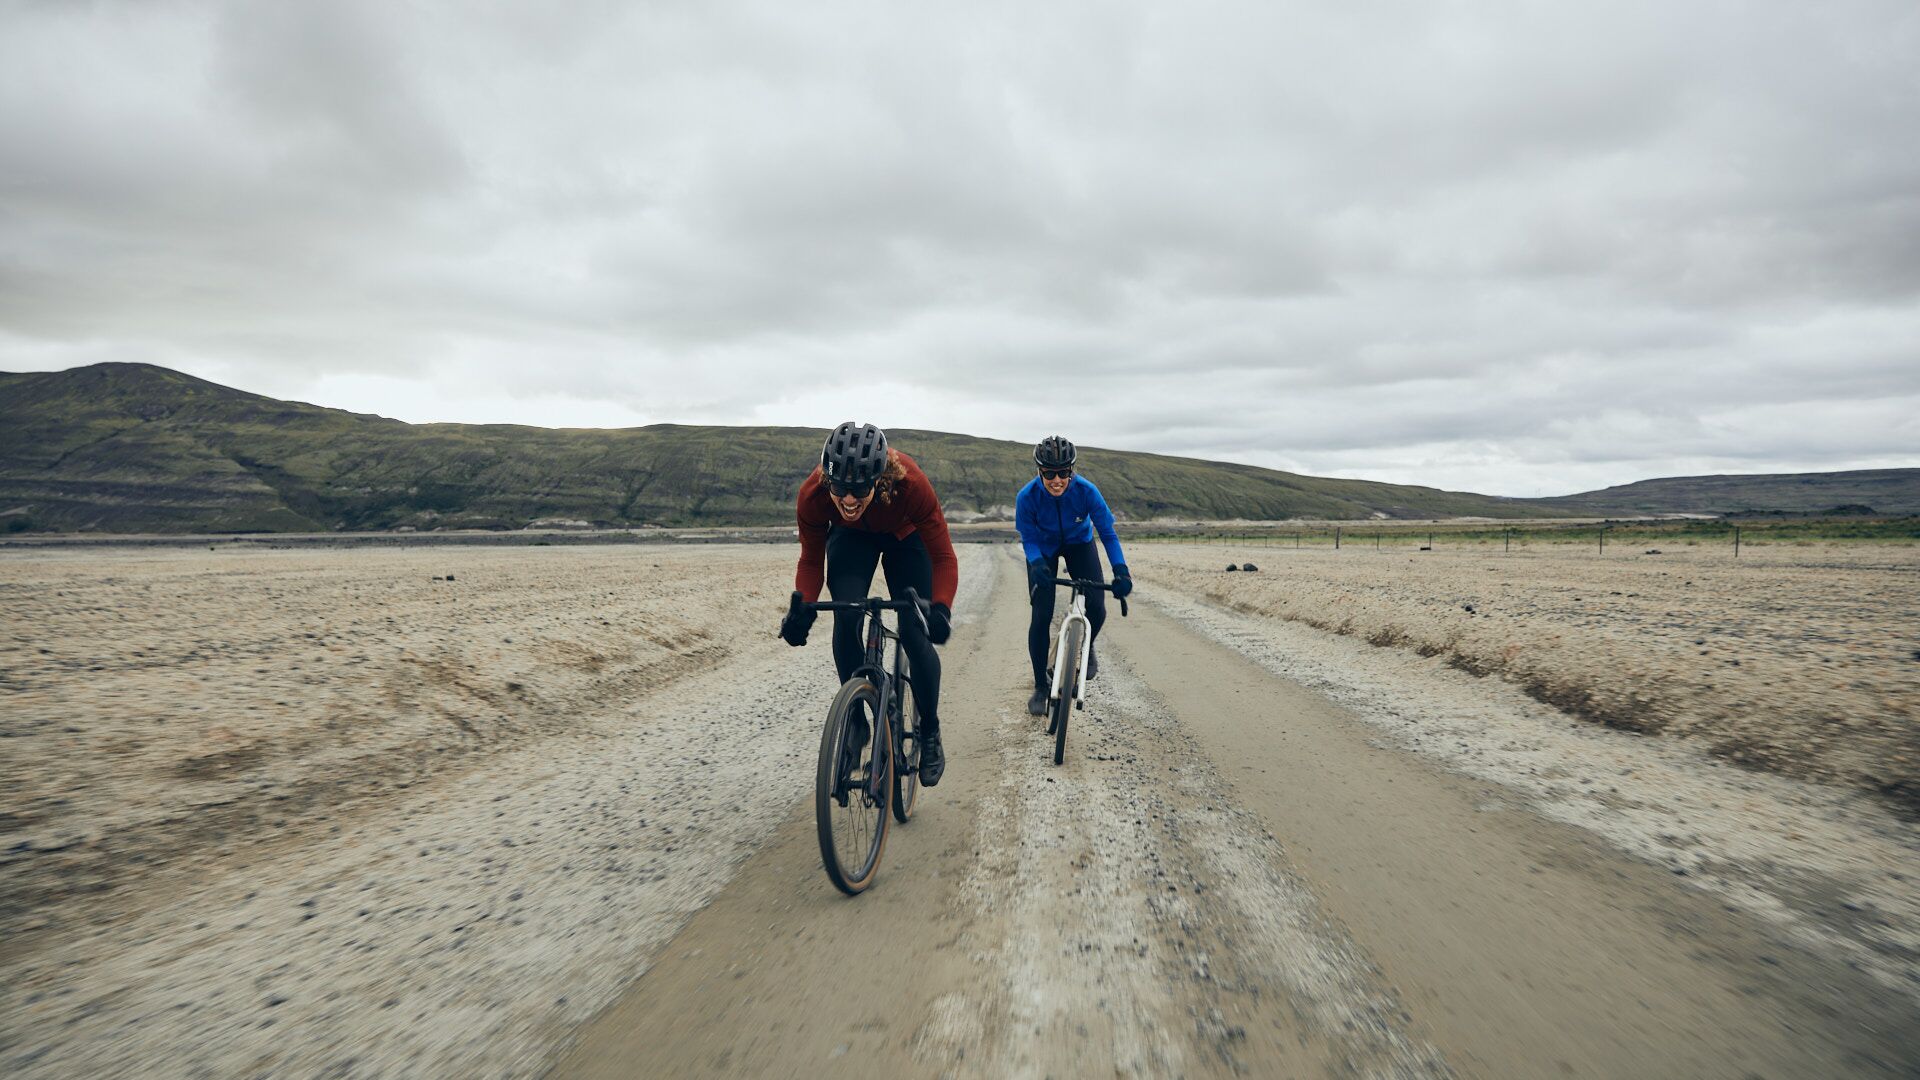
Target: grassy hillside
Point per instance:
(137, 448)
(1885, 491)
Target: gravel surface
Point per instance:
(1834, 868)
(408, 870)
(1129, 891)
(1800, 660)
(459, 926)
(170, 712)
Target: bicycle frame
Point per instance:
(873, 666)
(1076, 610)
(848, 805)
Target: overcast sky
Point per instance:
(1521, 248)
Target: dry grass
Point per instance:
(163, 707)
(1798, 660)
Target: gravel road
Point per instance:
(1271, 851)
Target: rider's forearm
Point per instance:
(811, 574)
(946, 570)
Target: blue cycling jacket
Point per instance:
(1048, 524)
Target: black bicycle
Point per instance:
(867, 770)
(1068, 689)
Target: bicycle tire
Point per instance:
(1053, 652)
(864, 820)
(1069, 677)
(906, 783)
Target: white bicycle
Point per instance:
(1068, 690)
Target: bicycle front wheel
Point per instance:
(852, 786)
(1069, 682)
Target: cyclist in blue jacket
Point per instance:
(1057, 514)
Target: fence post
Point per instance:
(1736, 541)
(1603, 539)
(1336, 538)
(1509, 550)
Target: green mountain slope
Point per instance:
(1886, 491)
(137, 448)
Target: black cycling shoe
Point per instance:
(1093, 663)
(933, 761)
(1037, 704)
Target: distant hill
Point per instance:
(138, 448)
(1884, 491)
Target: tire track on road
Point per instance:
(467, 930)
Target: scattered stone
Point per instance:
(1653, 551)
(1232, 567)
(1249, 568)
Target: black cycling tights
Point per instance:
(851, 557)
(1083, 562)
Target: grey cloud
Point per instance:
(1508, 245)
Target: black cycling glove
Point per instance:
(1039, 576)
(1122, 581)
(799, 620)
(939, 624)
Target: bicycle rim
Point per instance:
(1063, 705)
(852, 837)
(906, 773)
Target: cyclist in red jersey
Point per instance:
(869, 506)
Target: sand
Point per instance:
(560, 800)
(1799, 660)
(167, 709)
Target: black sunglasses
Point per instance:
(858, 491)
(1056, 474)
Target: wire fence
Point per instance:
(1599, 537)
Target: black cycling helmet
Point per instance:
(854, 458)
(1054, 452)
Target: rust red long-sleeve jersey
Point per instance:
(915, 508)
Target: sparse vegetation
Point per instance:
(131, 447)
(1795, 661)
(137, 448)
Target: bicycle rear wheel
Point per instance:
(851, 789)
(906, 771)
(1069, 682)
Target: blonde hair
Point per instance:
(896, 472)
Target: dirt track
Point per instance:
(1272, 851)
(1230, 875)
